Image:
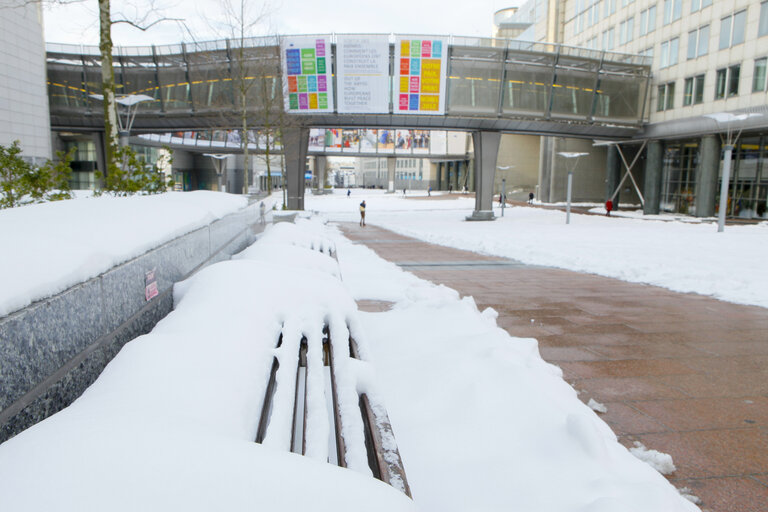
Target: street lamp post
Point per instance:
(503, 187)
(130, 102)
(218, 165)
(727, 120)
(575, 156)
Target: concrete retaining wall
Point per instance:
(52, 350)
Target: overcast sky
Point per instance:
(77, 23)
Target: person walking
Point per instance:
(608, 207)
(530, 198)
(362, 213)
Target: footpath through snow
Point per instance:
(677, 255)
(482, 422)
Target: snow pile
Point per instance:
(597, 406)
(52, 246)
(296, 246)
(686, 493)
(170, 423)
(661, 462)
(481, 421)
(681, 256)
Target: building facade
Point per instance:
(24, 114)
(708, 57)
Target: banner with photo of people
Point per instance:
(420, 66)
(362, 67)
(307, 84)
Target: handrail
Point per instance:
(259, 41)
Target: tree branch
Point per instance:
(143, 24)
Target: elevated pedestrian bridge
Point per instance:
(490, 86)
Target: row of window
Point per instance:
(726, 85)
(732, 28)
(587, 13)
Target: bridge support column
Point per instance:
(456, 172)
(101, 152)
(486, 151)
(295, 142)
(391, 161)
(654, 162)
(707, 176)
(471, 175)
(613, 171)
(320, 172)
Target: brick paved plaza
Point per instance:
(684, 374)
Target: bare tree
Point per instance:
(151, 16)
(239, 21)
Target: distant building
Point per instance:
(24, 114)
(708, 57)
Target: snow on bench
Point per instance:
(266, 346)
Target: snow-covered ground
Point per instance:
(675, 254)
(481, 421)
(46, 248)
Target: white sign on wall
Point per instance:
(307, 84)
(363, 74)
(420, 67)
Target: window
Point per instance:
(732, 30)
(688, 92)
(693, 93)
(666, 97)
(699, 4)
(698, 42)
(758, 78)
(669, 51)
(626, 30)
(673, 10)
(610, 8)
(727, 82)
(698, 90)
(587, 13)
(608, 39)
(762, 26)
(720, 83)
(703, 41)
(648, 20)
(733, 79)
(648, 52)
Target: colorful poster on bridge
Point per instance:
(307, 84)
(420, 66)
(362, 65)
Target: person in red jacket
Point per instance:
(608, 207)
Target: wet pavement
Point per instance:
(683, 374)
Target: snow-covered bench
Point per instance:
(315, 381)
(267, 347)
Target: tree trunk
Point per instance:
(244, 139)
(111, 138)
(269, 164)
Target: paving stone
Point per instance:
(685, 374)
